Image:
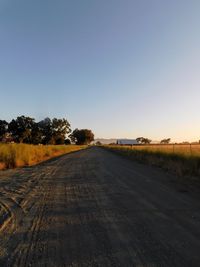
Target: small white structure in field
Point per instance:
(127, 142)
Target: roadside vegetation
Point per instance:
(18, 155)
(24, 142)
(184, 160)
(27, 130)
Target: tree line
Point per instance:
(47, 132)
(146, 141)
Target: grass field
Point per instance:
(178, 149)
(181, 159)
(18, 155)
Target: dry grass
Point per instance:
(180, 159)
(186, 150)
(183, 150)
(18, 155)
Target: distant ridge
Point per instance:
(105, 141)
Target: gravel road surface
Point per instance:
(95, 208)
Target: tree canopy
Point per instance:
(21, 129)
(54, 131)
(165, 141)
(3, 129)
(82, 136)
(26, 130)
(143, 140)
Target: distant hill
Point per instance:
(105, 141)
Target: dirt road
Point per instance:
(94, 208)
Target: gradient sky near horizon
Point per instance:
(123, 68)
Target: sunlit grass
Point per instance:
(175, 149)
(181, 159)
(17, 155)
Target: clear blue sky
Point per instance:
(123, 68)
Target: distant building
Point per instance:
(127, 142)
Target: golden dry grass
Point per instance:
(176, 149)
(18, 155)
(181, 159)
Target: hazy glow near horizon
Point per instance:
(123, 68)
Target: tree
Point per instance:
(82, 136)
(26, 130)
(54, 131)
(45, 127)
(98, 143)
(139, 140)
(36, 135)
(146, 141)
(21, 129)
(3, 129)
(67, 141)
(143, 140)
(60, 128)
(165, 141)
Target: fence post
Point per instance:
(190, 149)
(173, 148)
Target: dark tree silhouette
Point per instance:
(67, 141)
(54, 131)
(165, 141)
(146, 141)
(60, 127)
(82, 136)
(139, 139)
(45, 127)
(26, 130)
(21, 129)
(143, 140)
(36, 135)
(98, 143)
(3, 129)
